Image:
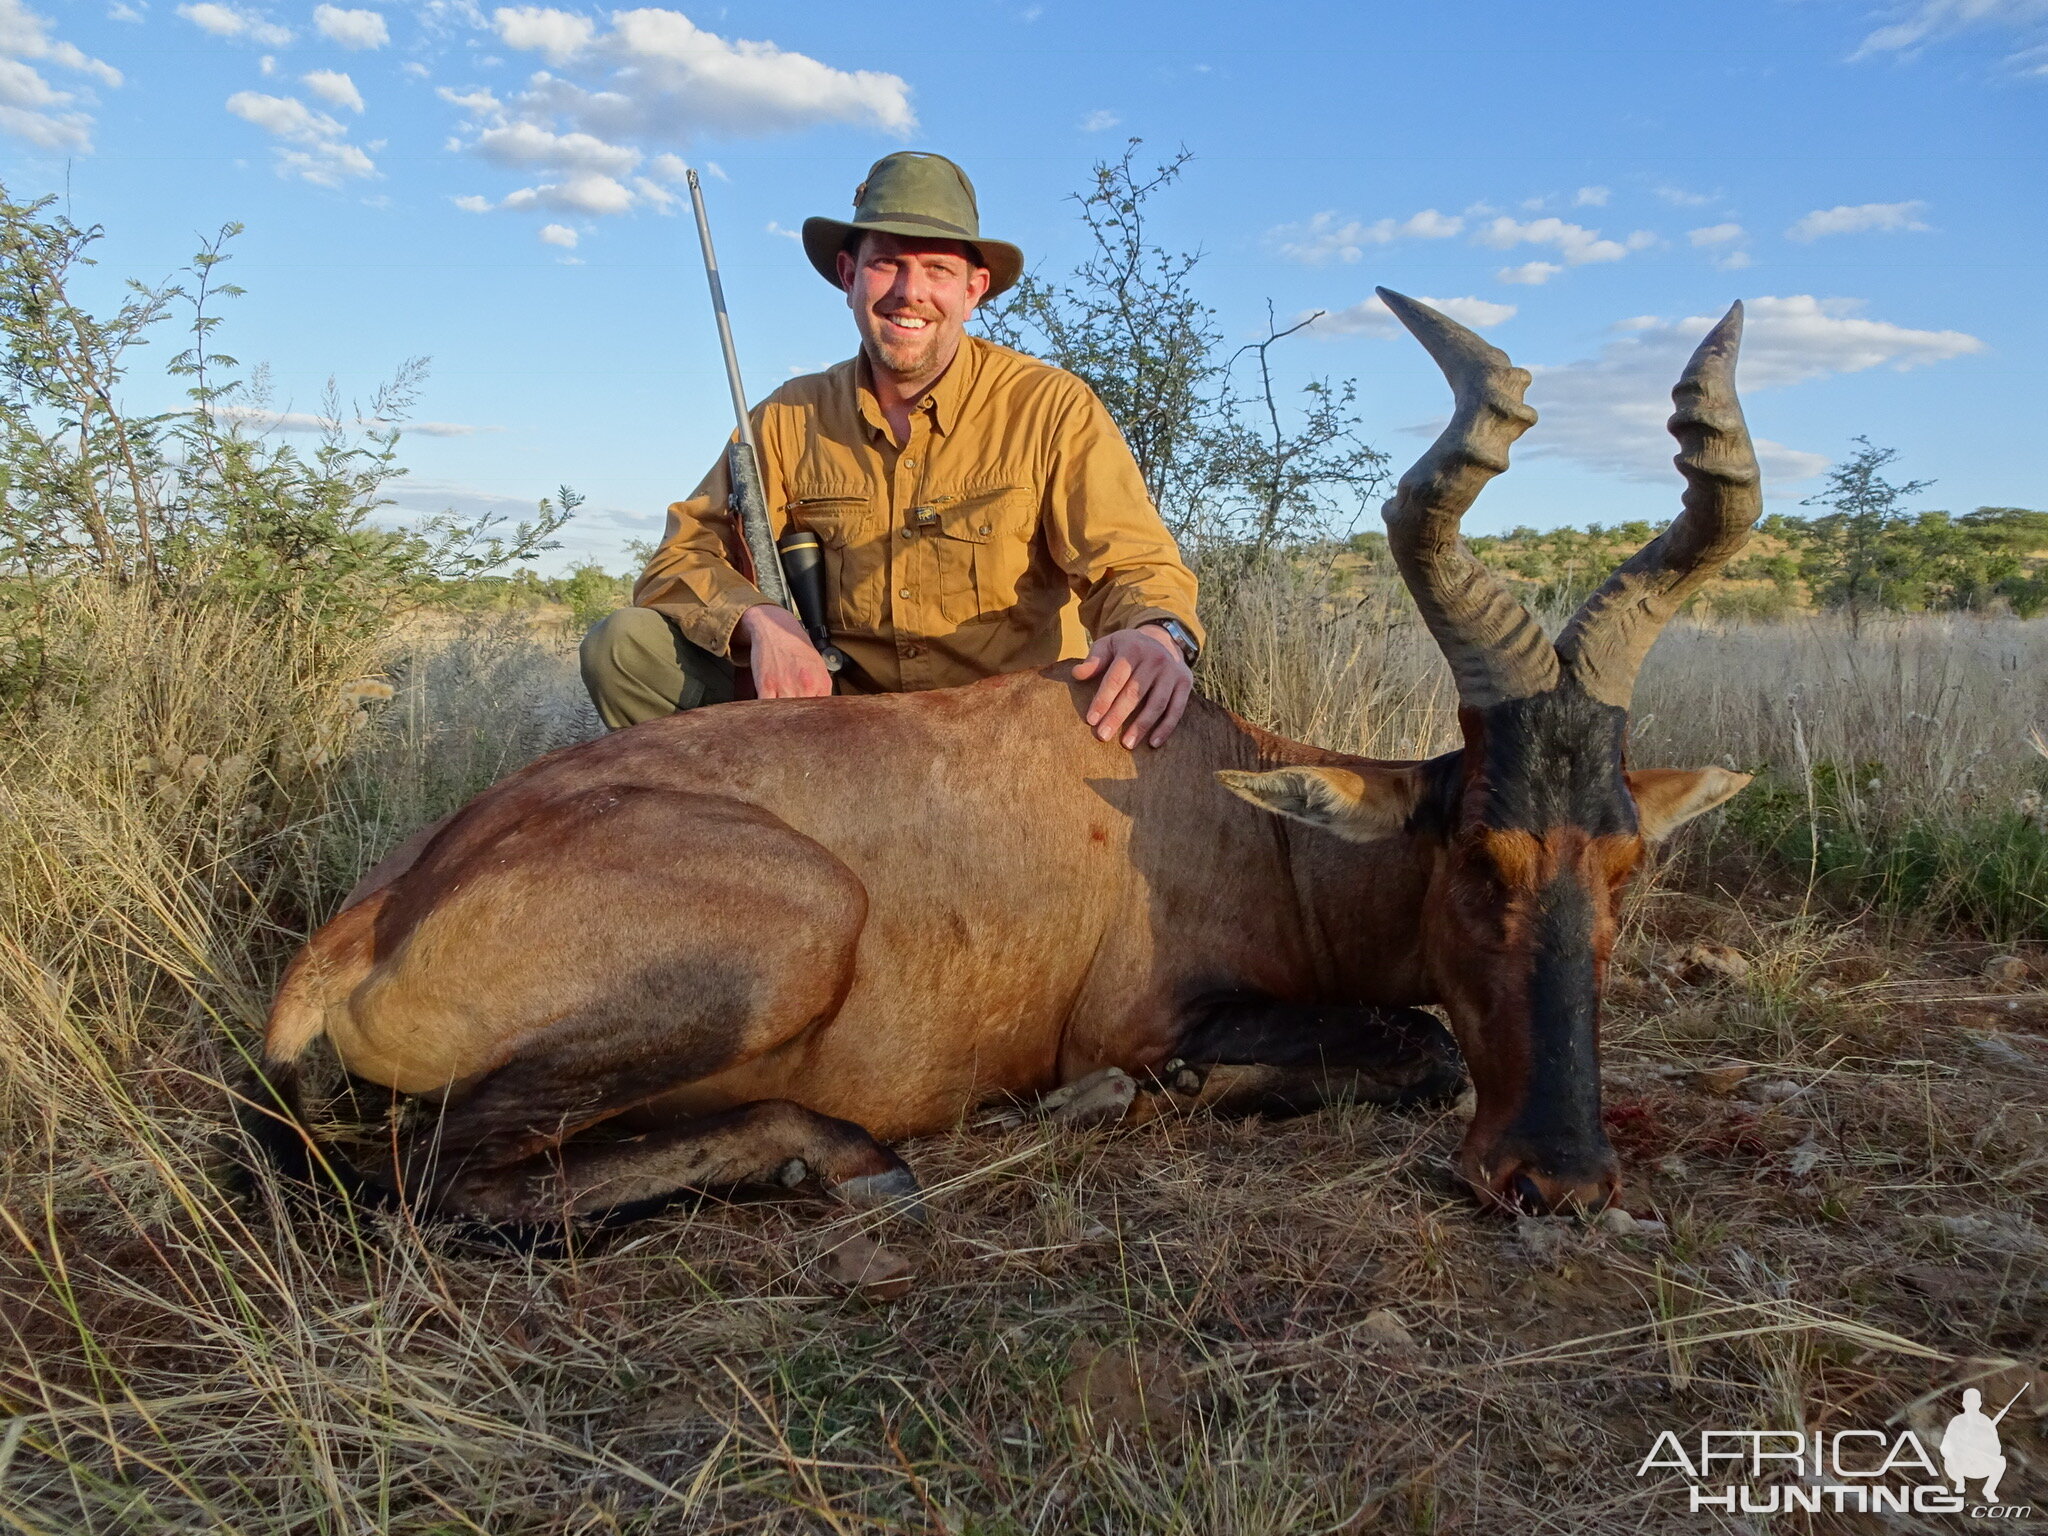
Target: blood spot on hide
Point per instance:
(1097, 833)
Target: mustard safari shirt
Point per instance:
(1013, 520)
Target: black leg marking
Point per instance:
(1315, 1055)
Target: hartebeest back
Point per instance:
(765, 938)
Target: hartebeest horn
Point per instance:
(1604, 645)
(1496, 649)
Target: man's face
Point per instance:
(910, 299)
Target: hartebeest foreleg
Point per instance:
(1297, 1059)
(773, 1142)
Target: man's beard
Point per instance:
(906, 357)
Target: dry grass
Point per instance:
(1848, 1227)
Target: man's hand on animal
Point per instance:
(781, 657)
(1144, 689)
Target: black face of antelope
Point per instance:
(1534, 828)
(1546, 827)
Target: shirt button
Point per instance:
(903, 592)
(910, 533)
(912, 652)
(910, 463)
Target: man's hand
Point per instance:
(1145, 685)
(784, 662)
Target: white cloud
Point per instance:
(1726, 242)
(351, 29)
(1715, 234)
(471, 203)
(558, 234)
(333, 86)
(120, 10)
(671, 168)
(587, 193)
(323, 154)
(1373, 318)
(1608, 411)
(1860, 219)
(1574, 242)
(523, 146)
(415, 69)
(1591, 197)
(1678, 197)
(232, 21)
(31, 107)
(264, 420)
(1927, 21)
(534, 29)
(1533, 273)
(1324, 236)
(651, 77)
(774, 228)
(1097, 122)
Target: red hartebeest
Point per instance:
(757, 942)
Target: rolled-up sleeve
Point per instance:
(694, 576)
(1104, 531)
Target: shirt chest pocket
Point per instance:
(982, 548)
(848, 525)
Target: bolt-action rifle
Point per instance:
(789, 572)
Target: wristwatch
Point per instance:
(1177, 632)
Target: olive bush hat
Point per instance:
(913, 193)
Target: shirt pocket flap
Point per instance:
(834, 513)
(977, 516)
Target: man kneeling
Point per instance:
(978, 509)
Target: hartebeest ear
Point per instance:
(1667, 798)
(1358, 804)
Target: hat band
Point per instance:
(915, 218)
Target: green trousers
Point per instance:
(638, 666)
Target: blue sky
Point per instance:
(498, 189)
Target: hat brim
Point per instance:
(825, 238)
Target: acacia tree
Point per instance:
(1851, 554)
(1231, 471)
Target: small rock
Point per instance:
(1100, 1098)
(1775, 1091)
(1722, 1080)
(1124, 1390)
(2008, 970)
(863, 1267)
(1617, 1221)
(1466, 1105)
(1381, 1329)
(1707, 965)
(1542, 1237)
(1806, 1157)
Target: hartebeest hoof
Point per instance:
(1101, 1098)
(1421, 1064)
(894, 1190)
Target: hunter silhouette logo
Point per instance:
(1970, 1448)
(1861, 1471)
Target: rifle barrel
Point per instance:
(732, 357)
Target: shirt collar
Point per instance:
(943, 401)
